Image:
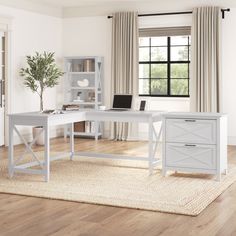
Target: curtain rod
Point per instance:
(175, 13)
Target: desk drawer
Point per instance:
(191, 156)
(191, 131)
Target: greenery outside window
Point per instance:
(164, 65)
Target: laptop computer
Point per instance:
(122, 102)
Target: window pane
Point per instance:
(144, 54)
(159, 86)
(159, 71)
(159, 53)
(179, 53)
(144, 41)
(144, 86)
(159, 41)
(179, 86)
(179, 70)
(143, 71)
(179, 40)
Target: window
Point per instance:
(164, 65)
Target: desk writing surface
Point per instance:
(125, 116)
(37, 118)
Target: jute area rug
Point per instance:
(117, 183)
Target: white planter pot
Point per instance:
(40, 139)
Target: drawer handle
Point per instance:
(190, 120)
(190, 145)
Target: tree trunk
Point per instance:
(41, 103)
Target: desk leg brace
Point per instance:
(47, 153)
(72, 146)
(157, 137)
(10, 150)
(152, 151)
(28, 149)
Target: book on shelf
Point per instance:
(79, 126)
(87, 127)
(70, 107)
(92, 126)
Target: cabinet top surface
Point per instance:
(199, 115)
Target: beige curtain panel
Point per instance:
(124, 63)
(205, 82)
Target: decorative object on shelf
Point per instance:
(102, 108)
(77, 67)
(83, 83)
(91, 96)
(78, 95)
(41, 73)
(89, 65)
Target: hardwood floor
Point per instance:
(22, 216)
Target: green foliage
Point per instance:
(41, 73)
(179, 70)
(159, 86)
(179, 87)
(159, 71)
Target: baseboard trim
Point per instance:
(231, 140)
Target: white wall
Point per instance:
(31, 32)
(89, 36)
(229, 72)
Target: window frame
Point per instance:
(168, 62)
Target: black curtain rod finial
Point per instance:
(223, 12)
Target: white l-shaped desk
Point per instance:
(69, 118)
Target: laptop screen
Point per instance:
(122, 101)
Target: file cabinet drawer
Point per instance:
(191, 131)
(191, 156)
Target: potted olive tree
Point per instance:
(41, 73)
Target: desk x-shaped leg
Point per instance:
(28, 149)
(152, 149)
(14, 165)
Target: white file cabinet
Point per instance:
(195, 142)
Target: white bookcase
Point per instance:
(83, 87)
